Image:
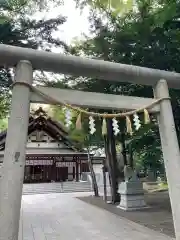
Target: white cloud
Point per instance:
(77, 23)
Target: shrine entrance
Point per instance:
(61, 174)
(23, 93)
(65, 171)
(38, 170)
(38, 173)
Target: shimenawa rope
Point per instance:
(53, 101)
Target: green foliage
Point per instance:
(146, 146)
(146, 36)
(116, 7)
(79, 137)
(57, 113)
(21, 30)
(10, 8)
(3, 124)
(82, 137)
(4, 106)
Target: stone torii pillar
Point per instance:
(171, 152)
(11, 181)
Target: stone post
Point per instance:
(11, 181)
(171, 152)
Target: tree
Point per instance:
(19, 29)
(147, 149)
(147, 36)
(3, 124)
(115, 6)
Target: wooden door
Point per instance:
(61, 174)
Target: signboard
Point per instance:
(39, 157)
(38, 162)
(65, 164)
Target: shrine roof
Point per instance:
(40, 121)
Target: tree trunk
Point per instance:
(104, 181)
(112, 161)
(108, 165)
(124, 148)
(93, 176)
(131, 163)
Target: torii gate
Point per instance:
(11, 181)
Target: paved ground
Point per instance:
(157, 217)
(63, 216)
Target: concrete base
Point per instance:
(132, 195)
(132, 209)
(132, 203)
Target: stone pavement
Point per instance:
(63, 216)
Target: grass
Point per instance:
(155, 187)
(163, 185)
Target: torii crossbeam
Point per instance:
(78, 66)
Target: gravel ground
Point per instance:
(158, 217)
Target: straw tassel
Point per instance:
(146, 116)
(104, 127)
(78, 122)
(128, 125)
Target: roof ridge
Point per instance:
(50, 126)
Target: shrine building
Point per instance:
(50, 154)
